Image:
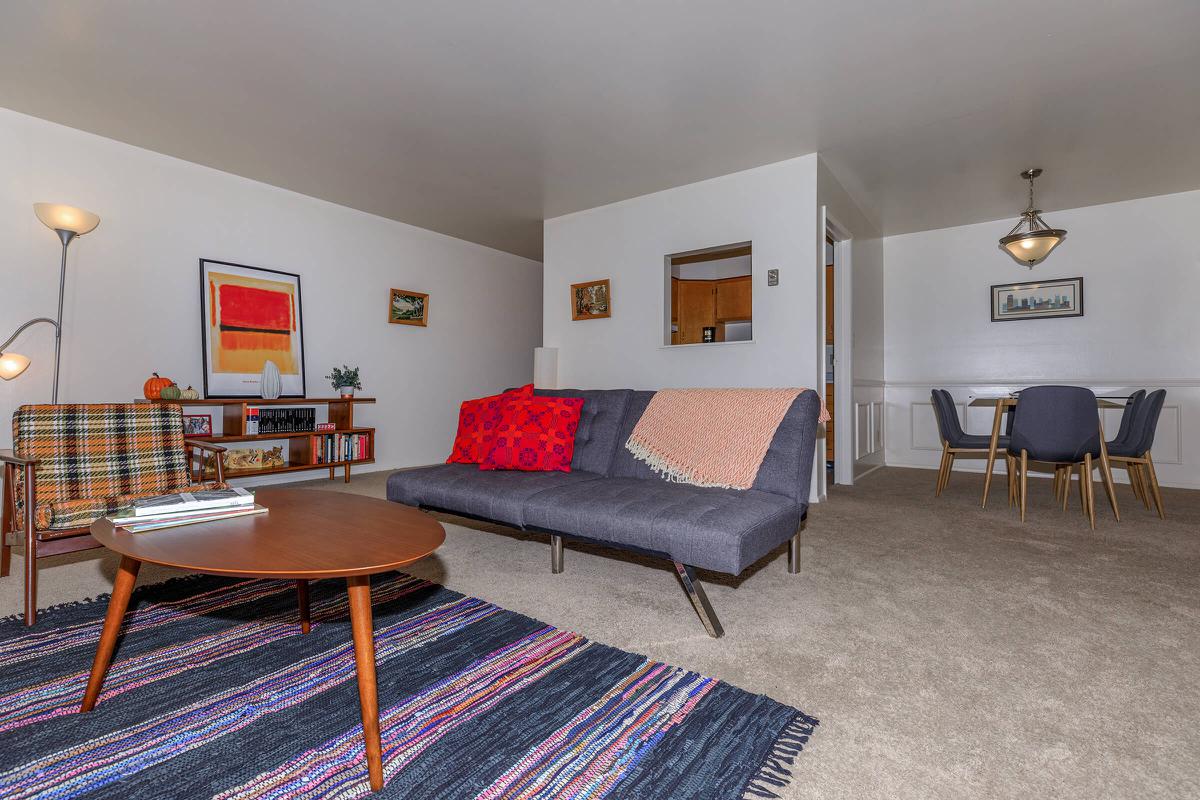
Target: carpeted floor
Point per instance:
(950, 652)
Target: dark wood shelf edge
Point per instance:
(250, 401)
(258, 437)
(250, 473)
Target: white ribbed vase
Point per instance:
(271, 384)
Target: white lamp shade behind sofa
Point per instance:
(545, 367)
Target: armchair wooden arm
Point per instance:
(8, 524)
(9, 457)
(213, 448)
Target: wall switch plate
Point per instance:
(772, 277)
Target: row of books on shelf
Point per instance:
(185, 508)
(281, 420)
(340, 447)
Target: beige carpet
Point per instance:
(950, 652)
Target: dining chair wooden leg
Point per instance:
(1082, 491)
(1110, 487)
(1091, 490)
(1154, 486)
(942, 470)
(1024, 481)
(1010, 477)
(1131, 471)
(1066, 487)
(1143, 485)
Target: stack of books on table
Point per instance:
(185, 508)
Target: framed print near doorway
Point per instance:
(249, 316)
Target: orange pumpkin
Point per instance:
(153, 387)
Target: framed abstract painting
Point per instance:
(249, 316)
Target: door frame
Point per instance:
(843, 352)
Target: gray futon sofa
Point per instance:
(611, 498)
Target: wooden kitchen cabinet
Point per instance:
(733, 296)
(696, 309)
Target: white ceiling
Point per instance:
(480, 119)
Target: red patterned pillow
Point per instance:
(536, 434)
(477, 425)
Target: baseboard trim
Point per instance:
(1118, 474)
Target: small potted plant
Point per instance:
(345, 380)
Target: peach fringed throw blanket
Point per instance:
(710, 437)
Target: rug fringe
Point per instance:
(776, 770)
(172, 583)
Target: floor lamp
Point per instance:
(68, 222)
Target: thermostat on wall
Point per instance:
(772, 277)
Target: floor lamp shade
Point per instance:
(545, 367)
(12, 365)
(58, 217)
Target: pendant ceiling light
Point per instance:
(1037, 239)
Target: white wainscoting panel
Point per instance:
(912, 438)
(869, 426)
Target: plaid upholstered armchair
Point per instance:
(72, 464)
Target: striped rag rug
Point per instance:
(215, 693)
(711, 437)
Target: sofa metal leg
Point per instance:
(695, 592)
(556, 554)
(794, 551)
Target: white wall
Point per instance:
(773, 207)
(132, 298)
(863, 417)
(1140, 262)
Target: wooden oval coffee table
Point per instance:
(306, 534)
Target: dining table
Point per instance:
(1003, 402)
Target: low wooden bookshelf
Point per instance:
(300, 443)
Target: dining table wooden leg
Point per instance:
(991, 458)
(359, 589)
(127, 572)
(303, 605)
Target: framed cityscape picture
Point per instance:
(1062, 297)
(591, 300)
(408, 308)
(249, 316)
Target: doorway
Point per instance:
(830, 341)
(835, 271)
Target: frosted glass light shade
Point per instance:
(545, 367)
(12, 365)
(67, 218)
(1030, 248)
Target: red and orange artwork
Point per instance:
(252, 321)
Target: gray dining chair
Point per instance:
(1060, 425)
(956, 441)
(1133, 452)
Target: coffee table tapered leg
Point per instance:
(122, 587)
(302, 602)
(359, 589)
